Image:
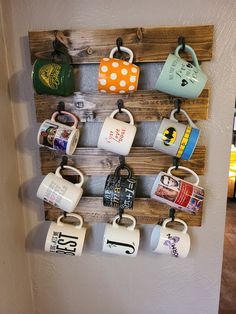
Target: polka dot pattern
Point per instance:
(117, 76)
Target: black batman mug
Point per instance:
(120, 189)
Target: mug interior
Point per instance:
(155, 237)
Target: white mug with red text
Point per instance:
(66, 238)
(61, 193)
(170, 241)
(178, 193)
(117, 136)
(121, 240)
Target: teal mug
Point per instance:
(53, 77)
(181, 78)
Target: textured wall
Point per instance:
(107, 284)
(15, 286)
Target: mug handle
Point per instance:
(191, 51)
(60, 223)
(56, 113)
(188, 170)
(57, 173)
(176, 219)
(126, 111)
(172, 117)
(125, 49)
(131, 227)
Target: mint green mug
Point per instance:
(181, 78)
(53, 77)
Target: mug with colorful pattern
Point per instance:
(117, 76)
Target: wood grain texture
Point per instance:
(146, 211)
(148, 44)
(142, 160)
(144, 105)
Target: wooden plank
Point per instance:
(148, 44)
(142, 160)
(145, 106)
(146, 211)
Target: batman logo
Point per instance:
(169, 136)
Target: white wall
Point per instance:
(96, 283)
(15, 285)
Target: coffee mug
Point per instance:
(121, 240)
(117, 136)
(179, 77)
(53, 77)
(119, 190)
(57, 136)
(170, 241)
(64, 238)
(61, 193)
(178, 193)
(118, 76)
(175, 138)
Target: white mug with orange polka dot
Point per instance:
(117, 76)
(117, 136)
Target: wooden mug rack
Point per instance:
(148, 45)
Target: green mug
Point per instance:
(53, 77)
(181, 78)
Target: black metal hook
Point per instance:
(119, 43)
(181, 41)
(122, 161)
(65, 214)
(176, 162)
(121, 212)
(64, 162)
(61, 107)
(172, 213)
(178, 103)
(120, 105)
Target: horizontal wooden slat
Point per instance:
(142, 160)
(144, 105)
(146, 211)
(148, 44)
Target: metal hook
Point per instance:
(176, 162)
(120, 105)
(64, 162)
(121, 212)
(61, 107)
(119, 43)
(122, 161)
(65, 214)
(178, 103)
(172, 214)
(181, 41)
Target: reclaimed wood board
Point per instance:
(148, 44)
(143, 161)
(144, 105)
(146, 211)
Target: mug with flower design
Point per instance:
(117, 76)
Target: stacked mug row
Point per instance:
(173, 138)
(178, 77)
(68, 239)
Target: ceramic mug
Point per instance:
(57, 136)
(61, 193)
(64, 238)
(118, 76)
(121, 240)
(178, 193)
(181, 78)
(120, 190)
(170, 241)
(53, 77)
(117, 136)
(175, 138)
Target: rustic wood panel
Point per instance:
(146, 211)
(148, 44)
(144, 105)
(142, 160)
